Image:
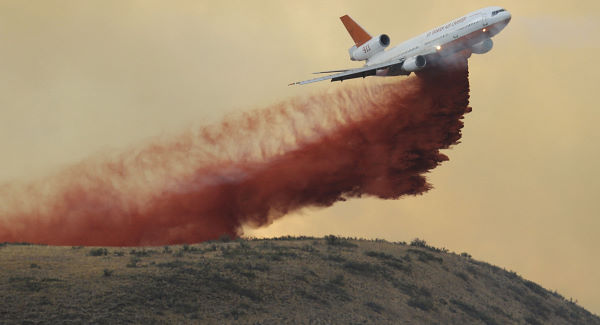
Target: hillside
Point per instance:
(327, 280)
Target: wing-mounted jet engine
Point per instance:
(483, 46)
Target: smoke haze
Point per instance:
(374, 140)
(521, 190)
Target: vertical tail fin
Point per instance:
(359, 34)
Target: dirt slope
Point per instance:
(286, 280)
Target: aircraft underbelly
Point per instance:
(470, 39)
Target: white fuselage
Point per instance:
(468, 34)
(457, 35)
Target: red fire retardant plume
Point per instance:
(376, 139)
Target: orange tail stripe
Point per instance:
(359, 35)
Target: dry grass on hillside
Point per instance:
(327, 280)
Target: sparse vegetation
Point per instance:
(405, 287)
(142, 252)
(364, 268)
(531, 320)
(390, 261)
(244, 267)
(375, 307)
(338, 280)
(229, 285)
(420, 297)
(398, 265)
(418, 243)
(535, 288)
(294, 238)
(471, 269)
(172, 264)
(133, 261)
(462, 275)
(334, 258)
(308, 248)
(423, 244)
(422, 302)
(536, 306)
(335, 287)
(380, 255)
(238, 269)
(473, 312)
(289, 279)
(238, 251)
(98, 252)
(26, 283)
(332, 240)
(186, 248)
(424, 256)
(279, 256)
(225, 238)
(31, 284)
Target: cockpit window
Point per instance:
(495, 12)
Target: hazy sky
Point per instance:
(520, 191)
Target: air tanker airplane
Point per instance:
(472, 33)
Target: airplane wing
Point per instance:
(354, 73)
(331, 71)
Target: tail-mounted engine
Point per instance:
(368, 49)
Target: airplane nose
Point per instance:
(507, 15)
